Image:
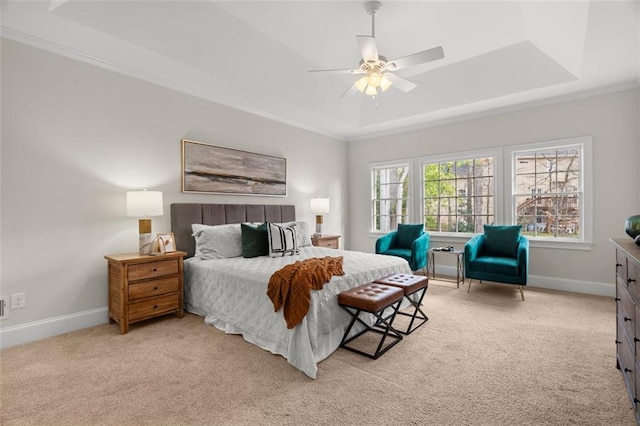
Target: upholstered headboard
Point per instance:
(183, 215)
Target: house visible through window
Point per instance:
(390, 196)
(548, 191)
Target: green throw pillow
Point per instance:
(407, 234)
(501, 240)
(255, 241)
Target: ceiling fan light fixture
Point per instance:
(371, 91)
(376, 70)
(385, 82)
(374, 79)
(362, 83)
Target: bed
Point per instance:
(231, 293)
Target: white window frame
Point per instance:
(496, 153)
(410, 190)
(586, 179)
(504, 211)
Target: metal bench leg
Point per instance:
(416, 305)
(386, 331)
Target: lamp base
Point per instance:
(318, 225)
(145, 243)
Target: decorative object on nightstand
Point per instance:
(167, 242)
(319, 206)
(143, 287)
(329, 241)
(142, 204)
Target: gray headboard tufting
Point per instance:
(185, 214)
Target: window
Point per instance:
(458, 194)
(545, 187)
(549, 194)
(390, 195)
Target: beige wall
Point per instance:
(610, 119)
(76, 137)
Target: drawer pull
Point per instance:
(618, 265)
(155, 306)
(617, 342)
(627, 319)
(631, 280)
(617, 299)
(636, 400)
(635, 339)
(626, 370)
(155, 270)
(155, 288)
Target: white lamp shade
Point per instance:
(144, 203)
(319, 205)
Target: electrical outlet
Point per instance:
(18, 301)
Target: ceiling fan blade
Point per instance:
(401, 83)
(416, 59)
(350, 91)
(368, 47)
(339, 71)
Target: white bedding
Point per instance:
(232, 295)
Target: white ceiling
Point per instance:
(254, 55)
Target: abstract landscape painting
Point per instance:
(212, 169)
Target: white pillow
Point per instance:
(282, 240)
(303, 236)
(217, 242)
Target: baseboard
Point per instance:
(574, 286)
(36, 330)
(552, 283)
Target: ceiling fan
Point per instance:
(376, 68)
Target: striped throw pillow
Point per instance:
(282, 240)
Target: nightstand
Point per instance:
(329, 241)
(143, 287)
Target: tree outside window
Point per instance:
(458, 195)
(390, 197)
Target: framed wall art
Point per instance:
(213, 169)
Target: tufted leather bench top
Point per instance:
(409, 283)
(371, 297)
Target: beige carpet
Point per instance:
(483, 358)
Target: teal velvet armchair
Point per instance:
(500, 255)
(409, 242)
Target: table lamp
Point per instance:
(319, 206)
(142, 204)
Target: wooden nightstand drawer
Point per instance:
(328, 241)
(152, 269)
(152, 307)
(153, 288)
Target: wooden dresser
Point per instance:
(143, 287)
(628, 317)
(329, 241)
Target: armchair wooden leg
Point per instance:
(522, 292)
(469, 288)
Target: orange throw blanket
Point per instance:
(290, 287)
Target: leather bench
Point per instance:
(372, 298)
(410, 284)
